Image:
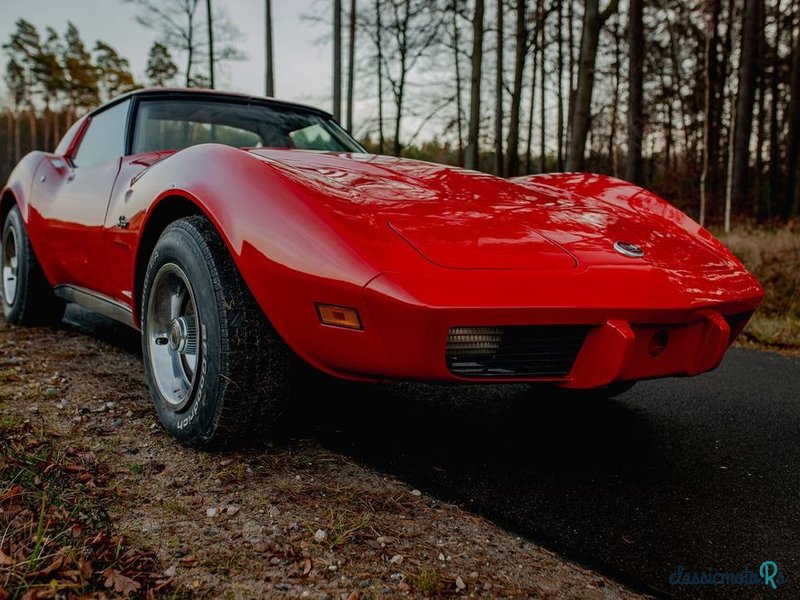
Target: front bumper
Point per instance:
(405, 334)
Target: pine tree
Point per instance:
(81, 76)
(17, 85)
(24, 47)
(161, 69)
(49, 75)
(113, 71)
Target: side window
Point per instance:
(105, 138)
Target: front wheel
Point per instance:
(216, 369)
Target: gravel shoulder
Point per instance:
(290, 519)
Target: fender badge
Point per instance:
(628, 249)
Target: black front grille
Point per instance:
(514, 351)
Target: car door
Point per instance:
(72, 198)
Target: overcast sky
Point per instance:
(302, 69)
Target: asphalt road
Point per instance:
(702, 473)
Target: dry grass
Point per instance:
(56, 538)
(773, 255)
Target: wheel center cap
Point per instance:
(177, 335)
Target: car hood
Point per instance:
(469, 220)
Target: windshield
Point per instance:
(175, 124)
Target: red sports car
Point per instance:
(239, 233)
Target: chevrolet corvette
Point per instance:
(244, 236)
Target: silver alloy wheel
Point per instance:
(10, 265)
(173, 335)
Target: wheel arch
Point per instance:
(7, 201)
(168, 210)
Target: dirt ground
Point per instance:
(290, 520)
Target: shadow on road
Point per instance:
(451, 428)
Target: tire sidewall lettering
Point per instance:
(197, 403)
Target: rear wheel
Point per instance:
(27, 297)
(216, 369)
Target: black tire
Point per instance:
(241, 386)
(32, 301)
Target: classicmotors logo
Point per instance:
(768, 574)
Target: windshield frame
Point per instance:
(337, 131)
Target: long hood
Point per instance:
(463, 219)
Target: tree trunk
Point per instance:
(400, 90)
(379, 44)
(745, 101)
(269, 50)
(571, 44)
(473, 139)
(710, 101)
(498, 94)
(399, 101)
(792, 195)
(636, 50)
(761, 120)
(669, 138)
(542, 90)
(351, 65)
(210, 24)
(13, 157)
(56, 129)
(593, 21)
(774, 127)
(532, 112)
(189, 48)
(46, 145)
(17, 138)
(337, 60)
(457, 64)
(521, 49)
(32, 129)
(613, 151)
(677, 78)
(729, 181)
(560, 86)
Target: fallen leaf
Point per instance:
(53, 566)
(307, 566)
(86, 568)
(15, 490)
(187, 561)
(119, 582)
(5, 559)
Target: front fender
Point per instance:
(288, 249)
